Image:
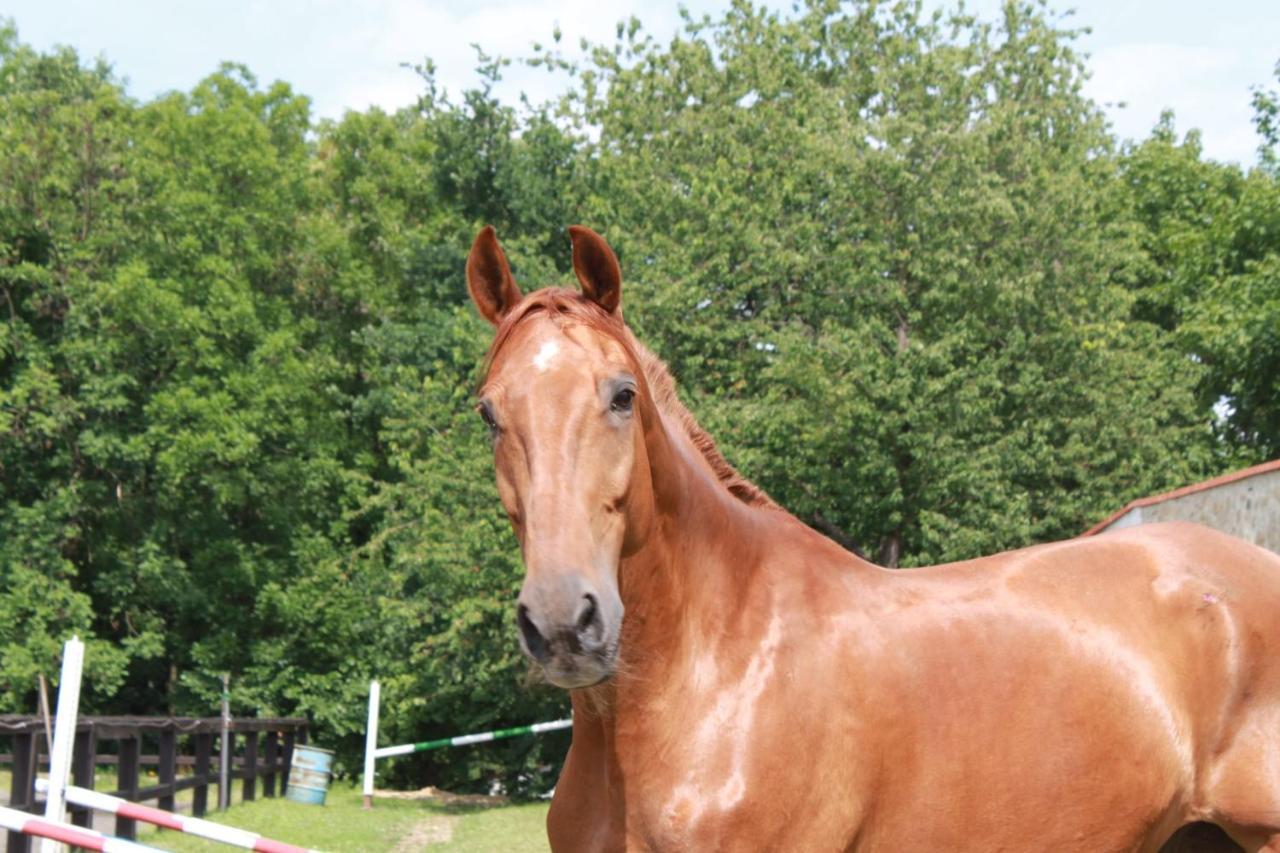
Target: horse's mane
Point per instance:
(572, 305)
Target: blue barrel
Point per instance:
(309, 774)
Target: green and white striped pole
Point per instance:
(463, 740)
(372, 753)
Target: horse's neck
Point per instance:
(697, 562)
(706, 554)
(686, 580)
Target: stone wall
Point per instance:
(1248, 508)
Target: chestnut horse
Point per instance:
(740, 682)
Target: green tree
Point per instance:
(858, 235)
(1209, 273)
(1266, 118)
(63, 145)
(172, 425)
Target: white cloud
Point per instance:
(1203, 84)
(398, 31)
(1195, 59)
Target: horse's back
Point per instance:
(1171, 572)
(1203, 551)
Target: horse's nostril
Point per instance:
(534, 642)
(588, 621)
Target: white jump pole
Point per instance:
(178, 823)
(85, 839)
(64, 732)
(371, 741)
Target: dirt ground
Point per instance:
(437, 829)
(444, 798)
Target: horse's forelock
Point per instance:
(559, 302)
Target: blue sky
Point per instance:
(1196, 58)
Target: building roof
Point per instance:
(1264, 468)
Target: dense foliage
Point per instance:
(897, 261)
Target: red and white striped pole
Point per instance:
(179, 823)
(74, 835)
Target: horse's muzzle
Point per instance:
(571, 629)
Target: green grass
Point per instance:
(521, 829)
(342, 824)
(106, 781)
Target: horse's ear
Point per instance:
(493, 289)
(596, 267)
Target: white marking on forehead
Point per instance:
(546, 354)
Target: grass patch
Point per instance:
(342, 825)
(520, 829)
(104, 779)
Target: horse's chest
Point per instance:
(704, 813)
(738, 765)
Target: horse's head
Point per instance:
(564, 400)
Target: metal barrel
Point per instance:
(309, 775)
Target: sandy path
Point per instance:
(433, 830)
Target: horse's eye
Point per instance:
(622, 400)
(486, 415)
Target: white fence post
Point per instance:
(371, 741)
(224, 751)
(64, 733)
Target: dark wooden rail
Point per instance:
(187, 742)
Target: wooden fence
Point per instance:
(266, 750)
